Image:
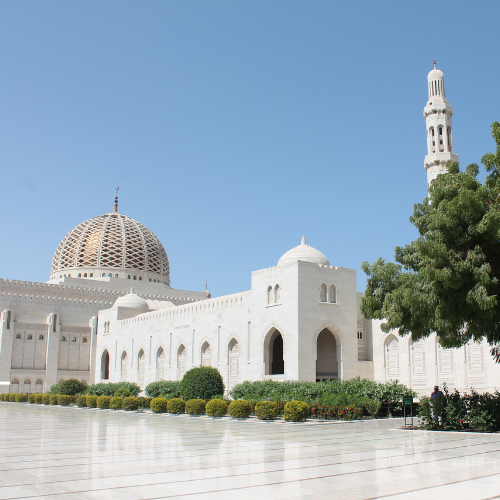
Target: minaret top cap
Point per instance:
(116, 200)
(435, 73)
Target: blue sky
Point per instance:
(232, 128)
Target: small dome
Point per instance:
(132, 301)
(304, 253)
(435, 73)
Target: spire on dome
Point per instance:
(116, 199)
(303, 241)
(435, 63)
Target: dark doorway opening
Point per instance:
(105, 365)
(277, 361)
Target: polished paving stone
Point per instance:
(88, 454)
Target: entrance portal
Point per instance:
(327, 365)
(105, 365)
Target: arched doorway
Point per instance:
(14, 386)
(276, 361)
(124, 367)
(39, 386)
(327, 363)
(141, 367)
(27, 386)
(160, 364)
(105, 365)
(181, 361)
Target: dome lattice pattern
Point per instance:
(112, 241)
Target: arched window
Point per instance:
(234, 362)
(84, 340)
(135, 277)
(73, 339)
(206, 354)
(270, 295)
(181, 361)
(79, 275)
(63, 339)
(124, 367)
(39, 386)
(141, 367)
(110, 275)
(116, 275)
(160, 364)
(277, 294)
(140, 278)
(40, 337)
(91, 275)
(30, 337)
(448, 131)
(333, 294)
(392, 357)
(54, 323)
(322, 293)
(18, 335)
(128, 276)
(14, 386)
(440, 138)
(27, 386)
(105, 365)
(103, 275)
(84, 275)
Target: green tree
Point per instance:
(446, 281)
(201, 382)
(72, 387)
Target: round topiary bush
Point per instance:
(122, 391)
(92, 401)
(103, 402)
(216, 408)
(266, 410)
(64, 400)
(54, 399)
(20, 398)
(115, 403)
(195, 407)
(72, 387)
(240, 408)
(202, 382)
(296, 411)
(158, 405)
(130, 403)
(31, 398)
(38, 399)
(12, 398)
(176, 405)
(81, 401)
(46, 399)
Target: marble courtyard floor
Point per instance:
(57, 453)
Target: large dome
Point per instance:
(111, 245)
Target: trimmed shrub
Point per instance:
(202, 382)
(21, 398)
(240, 408)
(168, 395)
(54, 389)
(161, 387)
(64, 400)
(81, 401)
(54, 399)
(216, 408)
(122, 391)
(46, 399)
(176, 405)
(2, 396)
(31, 398)
(159, 405)
(296, 411)
(195, 407)
(130, 404)
(38, 399)
(110, 388)
(266, 410)
(115, 403)
(103, 402)
(12, 398)
(92, 401)
(144, 402)
(72, 387)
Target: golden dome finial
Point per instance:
(116, 199)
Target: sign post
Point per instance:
(408, 402)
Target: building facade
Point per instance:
(108, 313)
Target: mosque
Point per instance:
(108, 313)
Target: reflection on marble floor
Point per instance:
(70, 454)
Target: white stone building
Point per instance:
(299, 321)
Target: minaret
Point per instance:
(437, 114)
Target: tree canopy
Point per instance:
(448, 280)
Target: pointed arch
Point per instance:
(391, 351)
(233, 360)
(322, 293)
(274, 352)
(181, 361)
(328, 354)
(124, 366)
(141, 367)
(105, 365)
(160, 363)
(332, 297)
(206, 354)
(26, 386)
